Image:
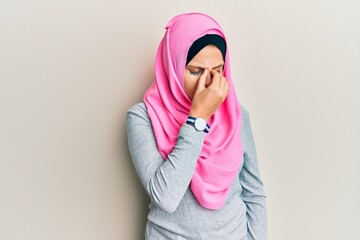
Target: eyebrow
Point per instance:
(201, 67)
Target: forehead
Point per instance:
(208, 56)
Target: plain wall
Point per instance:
(69, 70)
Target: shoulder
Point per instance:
(244, 114)
(137, 113)
(246, 131)
(137, 108)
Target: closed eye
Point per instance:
(200, 71)
(219, 69)
(196, 73)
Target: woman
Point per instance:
(191, 141)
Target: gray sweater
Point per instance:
(174, 211)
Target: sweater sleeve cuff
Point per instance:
(189, 133)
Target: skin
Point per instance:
(204, 82)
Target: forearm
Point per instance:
(252, 186)
(165, 180)
(167, 185)
(256, 215)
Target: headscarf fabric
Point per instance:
(207, 39)
(168, 107)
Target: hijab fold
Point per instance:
(168, 107)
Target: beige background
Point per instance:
(69, 71)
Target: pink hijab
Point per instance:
(168, 107)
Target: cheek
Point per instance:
(190, 84)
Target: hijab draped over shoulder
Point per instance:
(168, 107)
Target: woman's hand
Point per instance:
(206, 100)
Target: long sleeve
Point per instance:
(252, 186)
(164, 181)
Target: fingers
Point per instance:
(215, 79)
(220, 83)
(223, 83)
(207, 100)
(202, 80)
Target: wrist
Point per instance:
(198, 123)
(197, 114)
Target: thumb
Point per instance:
(202, 80)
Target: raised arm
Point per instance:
(167, 181)
(164, 181)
